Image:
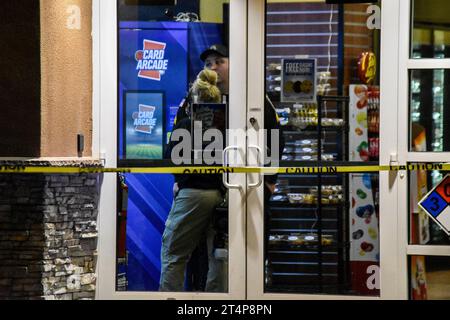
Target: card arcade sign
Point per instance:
(150, 61)
(437, 204)
(144, 120)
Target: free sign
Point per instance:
(437, 204)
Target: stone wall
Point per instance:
(48, 236)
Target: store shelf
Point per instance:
(309, 247)
(288, 205)
(313, 129)
(309, 265)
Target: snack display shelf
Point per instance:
(286, 205)
(292, 248)
(307, 289)
(313, 129)
(306, 239)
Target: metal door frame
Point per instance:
(105, 105)
(405, 65)
(389, 269)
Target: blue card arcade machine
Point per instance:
(157, 62)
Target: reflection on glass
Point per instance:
(429, 278)
(321, 231)
(178, 231)
(423, 230)
(430, 34)
(429, 117)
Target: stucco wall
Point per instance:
(66, 77)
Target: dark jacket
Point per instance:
(193, 181)
(182, 121)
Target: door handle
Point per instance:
(224, 175)
(260, 164)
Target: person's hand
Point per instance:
(271, 187)
(175, 189)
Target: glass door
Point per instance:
(313, 76)
(171, 80)
(423, 138)
(315, 68)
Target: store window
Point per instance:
(428, 123)
(429, 95)
(322, 233)
(430, 33)
(429, 278)
(423, 229)
(429, 114)
(160, 57)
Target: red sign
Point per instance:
(151, 61)
(444, 189)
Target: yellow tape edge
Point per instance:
(220, 170)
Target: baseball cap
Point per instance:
(219, 49)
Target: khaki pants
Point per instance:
(190, 217)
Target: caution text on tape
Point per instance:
(220, 170)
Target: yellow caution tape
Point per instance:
(221, 170)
